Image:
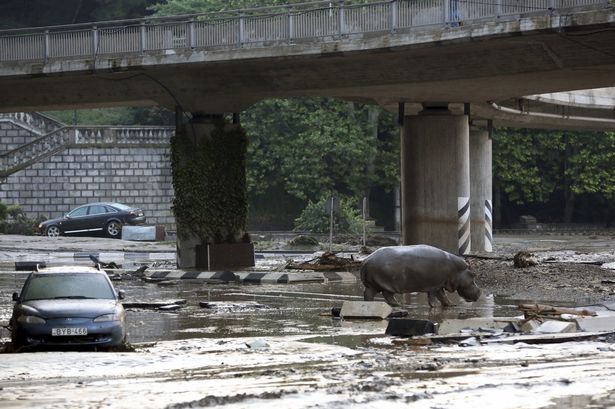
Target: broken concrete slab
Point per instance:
(455, 326)
(530, 326)
(143, 233)
(365, 309)
(556, 327)
(596, 324)
(401, 327)
(544, 338)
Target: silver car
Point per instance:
(66, 306)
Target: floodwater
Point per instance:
(257, 310)
(259, 345)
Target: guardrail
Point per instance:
(268, 25)
(45, 146)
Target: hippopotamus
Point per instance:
(420, 268)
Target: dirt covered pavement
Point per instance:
(572, 269)
(274, 344)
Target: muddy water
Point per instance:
(260, 310)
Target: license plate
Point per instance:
(64, 332)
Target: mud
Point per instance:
(199, 357)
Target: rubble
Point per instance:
(365, 309)
(456, 326)
(549, 311)
(408, 327)
(556, 327)
(524, 259)
(328, 261)
(153, 304)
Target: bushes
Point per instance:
(13, 220)
(315, 218)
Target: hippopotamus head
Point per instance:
(463, 283)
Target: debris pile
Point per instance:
(525, 259)
(328, 261)
(540, 324)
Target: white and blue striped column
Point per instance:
(488, 226)
(463, 226)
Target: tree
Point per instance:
(302, 149)
(554, 167)
(37, 13)
(178, 7)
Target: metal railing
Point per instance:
(268, 25)
(75, 136)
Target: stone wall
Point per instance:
(137, 175)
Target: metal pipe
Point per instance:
(547, 115)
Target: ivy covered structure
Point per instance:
(208, 161)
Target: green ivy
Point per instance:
(209, 177)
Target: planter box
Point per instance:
(224, 256)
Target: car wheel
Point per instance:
(17, 341)
(113, 229)
(53, 231)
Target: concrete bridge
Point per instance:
(447, 66)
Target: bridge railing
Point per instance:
(315, 20)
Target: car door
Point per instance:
(97, 217)
(75, 220)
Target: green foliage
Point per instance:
(533, 165)
(115, 116)
(176, 7)
(210, 184)
(38, 13)
(316, 219)
(13, 220)
(591, 165)
(524, 164)
(307, 147)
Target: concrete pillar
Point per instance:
(481, 204)
(435, 173)
(210, 206)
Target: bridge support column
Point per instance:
(435, 179)
(208, 159)
(481, 205)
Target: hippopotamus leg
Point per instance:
(369, 294)
(390, 299)
(440, 295)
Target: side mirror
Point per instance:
(121, 294)
(15, 296)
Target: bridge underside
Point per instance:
(474, 63)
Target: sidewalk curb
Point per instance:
(248, 277)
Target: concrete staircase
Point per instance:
(56, 136)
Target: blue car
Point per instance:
(68, 306)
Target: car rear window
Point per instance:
(67, 285)
(121, 206)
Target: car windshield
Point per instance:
(67, 285)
